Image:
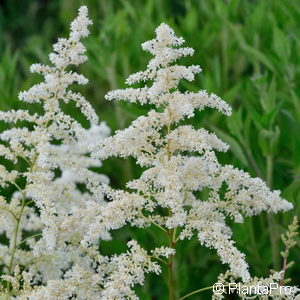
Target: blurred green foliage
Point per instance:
(250, 53)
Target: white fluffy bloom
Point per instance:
(49, 214)
(180, 160)
(108, 279)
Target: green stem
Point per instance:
(171, 233)
(16, 231)
(171, 266)
(15, 238)
(271, 220)
(269, 172)
(253, 244)
(274, 242)
(281, 282)
(250, 158)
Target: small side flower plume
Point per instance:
(180, 160)
(289, 241)
(127, 270)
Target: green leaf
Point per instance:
(281, 44)
(258, 55)
(268, 141)
(234, 146)
(235, 124)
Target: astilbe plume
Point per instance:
(179, 161)
(46, 216)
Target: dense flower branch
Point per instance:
(181, 160)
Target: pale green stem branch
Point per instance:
(196, 292)
(200, 290)
(159, 259)
(156, 224)
(16, 231)
(29, 237)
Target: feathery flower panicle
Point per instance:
(180, 162)
(49, 214)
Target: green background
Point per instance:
(250, 55)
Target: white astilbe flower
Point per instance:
(114, 215)
(109, 278)
(48, 215)
(180, 162)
